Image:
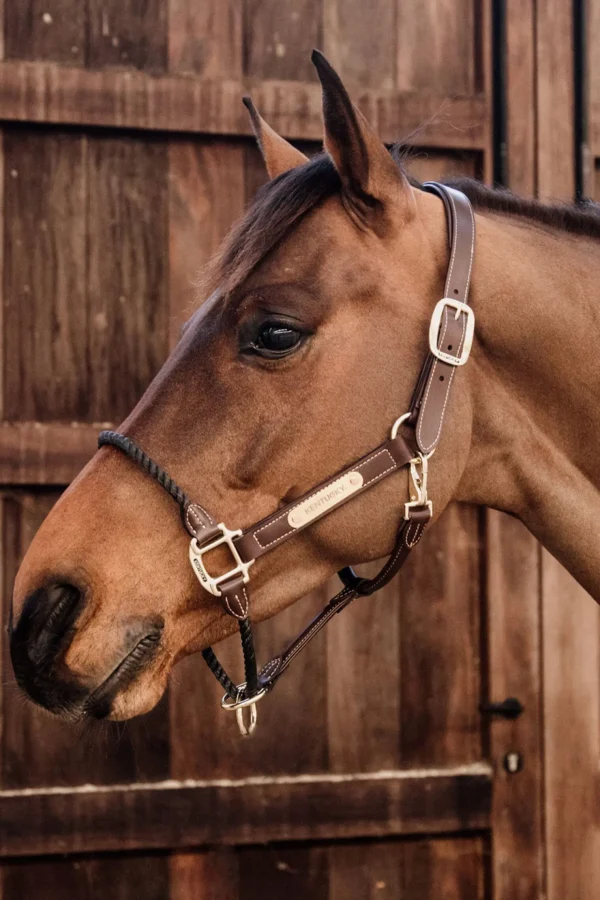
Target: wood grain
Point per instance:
(46, 371)
(127, 223)
(279, 36)
(362, 46)
(554, 60)
(206, 196)
(206, 38)
(437, 46)
(45, 453)
(440, 644)
(39, 92)
(253, 810)
(204, 875)
(571, 672)
(127, 33)
(51, 30)
(120, 877)
(514, 623)
(521, 89)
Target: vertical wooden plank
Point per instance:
(38, 749)
(206, 38)
(370, 870)
(554, 59)
(206, 195)
(514, 629)
(279, 36)
(87, 879)
(452, 869)
(127, 223)
(293, 872)
(364, 712)
(521, 96)
(436, 41)
(204, 875)
(46, 373)
(127, 32)
(571, 672)
(52, 30)
(440, 644)
(362, 45)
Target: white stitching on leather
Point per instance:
(331, 481)
(427, 448)
(236, 597)
(189, 523)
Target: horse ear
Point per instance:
(279, 155)
(370, 177)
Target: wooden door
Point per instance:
(125, 157)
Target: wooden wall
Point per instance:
(125, 155)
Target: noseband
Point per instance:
(450, 339)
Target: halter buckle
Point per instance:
(419, 468)
(469, 331)
(197, 560)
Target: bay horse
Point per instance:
(305, 354)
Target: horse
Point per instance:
(304, 355)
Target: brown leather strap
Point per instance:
(431, 396)
(409, 535)
(323, 499)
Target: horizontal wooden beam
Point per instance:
(48, 454)
(124, 98)
(174, 814)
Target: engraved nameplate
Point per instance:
(325, 499)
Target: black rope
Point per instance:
(251, 671)
(127, 446)
(219, 672)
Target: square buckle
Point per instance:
(197, 561)
(434, 331)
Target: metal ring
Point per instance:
(398, 423)
(394, 434)
(246, 730)
(232, 705)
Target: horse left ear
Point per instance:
(371, 179)
(279, 155)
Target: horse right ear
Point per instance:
(371, 180)
(279, 155)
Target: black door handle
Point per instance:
(511, 708)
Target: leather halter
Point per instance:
(450, 339)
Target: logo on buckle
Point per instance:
(197, 561)
(469, 331)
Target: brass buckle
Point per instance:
(434, 331)
(197, 552)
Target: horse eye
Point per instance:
(278, 339)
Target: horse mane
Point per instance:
(282, 202)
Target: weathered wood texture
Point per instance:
(385, 870)
(174, 814)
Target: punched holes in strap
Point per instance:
(452, 322)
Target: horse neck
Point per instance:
(536, 385)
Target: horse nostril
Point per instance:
(45, 623)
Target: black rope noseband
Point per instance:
(135, 453)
